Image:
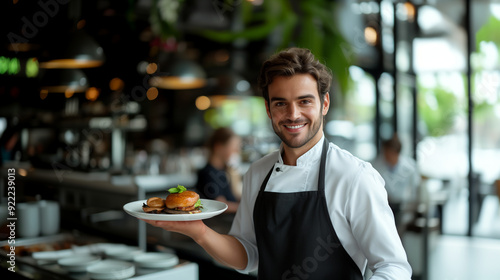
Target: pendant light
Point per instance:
(177, 72)
(66, 81)
(231, 85)
(228, 85)
(180, 75)
(81, 51)
(74, 48)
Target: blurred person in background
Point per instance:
(10, 144)
(401, 175)
(218, 179)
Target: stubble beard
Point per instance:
(310, 134)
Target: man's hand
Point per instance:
(193, 229)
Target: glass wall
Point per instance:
(439, 55)
(485, 81)
(350, 122)
(442, 150)
(440, 61)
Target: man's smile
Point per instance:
(294, 127)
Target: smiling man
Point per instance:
(309, 210)
(296, 111)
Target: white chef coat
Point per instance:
(356, 201)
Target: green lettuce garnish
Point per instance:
(198, 204)
(179, 189)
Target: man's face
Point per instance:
(390, 156)
(296, 110)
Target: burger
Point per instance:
(182, 201)
(154, 205)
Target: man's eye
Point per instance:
(306, 101)
(279, 104)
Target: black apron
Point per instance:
(295, 236)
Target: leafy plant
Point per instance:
(163, 17)
(438, 109)
(311, 24)
(484, 83)
(489, 33)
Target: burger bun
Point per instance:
(181, 200)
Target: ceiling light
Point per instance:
(227, 82)
(371, 35)
(64, 81)
(82, 51)
(178, 73)
(202, 103)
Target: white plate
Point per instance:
(111, 269)
(156, 260)
(124, 252)
(210, 209)
(78, 263)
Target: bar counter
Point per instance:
(92, 204)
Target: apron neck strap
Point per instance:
(321, 177)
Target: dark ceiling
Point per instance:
(123, 30)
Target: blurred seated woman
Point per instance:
(214, 180)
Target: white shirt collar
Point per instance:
(309, 157)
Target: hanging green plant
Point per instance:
(312, 27)
(163, 17)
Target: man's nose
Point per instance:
(293, 112)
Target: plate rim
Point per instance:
(176, 217)
(90, 259)
(79, 266)
(107, 262)
(169, 258)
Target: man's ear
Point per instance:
(326, 104)
(267, 109)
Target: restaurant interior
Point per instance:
(107, 102)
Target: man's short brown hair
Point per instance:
(392, 144)
(294, 61)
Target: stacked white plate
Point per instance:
(111, 269)
(156, 260)
(78, 263)
(125, 253)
